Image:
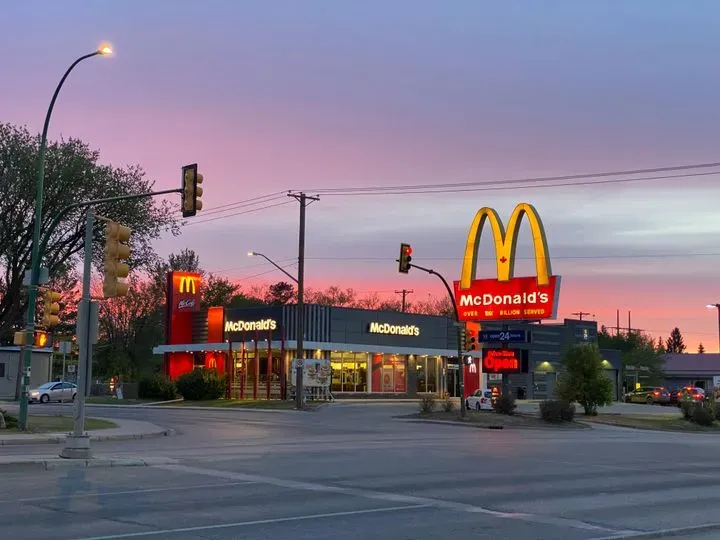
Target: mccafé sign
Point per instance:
(504, 361)
(250, 326)
(507, 297)
(394, 330)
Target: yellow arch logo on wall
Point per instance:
(505, 244)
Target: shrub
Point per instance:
(687, 409)
(201, 385)
(10, 421)
(505, 405)
(157, 387)
(427, 405)
(702, 415)
(557, 411)
(448, 404)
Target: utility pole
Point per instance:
(302, 198)
(404, 293)
(580, 314)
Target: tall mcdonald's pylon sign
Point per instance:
(507, 297)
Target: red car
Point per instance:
(690, 393)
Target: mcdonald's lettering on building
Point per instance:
(507, 297)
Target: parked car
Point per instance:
(53, 391)
(481, 400)
(649, 394)
(690, 393)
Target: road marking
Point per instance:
(256, 522)
(127, 492)
(393, 497)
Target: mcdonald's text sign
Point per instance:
(507, 297)
(185, 291)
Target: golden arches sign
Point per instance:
(187, 285)
(505, 244)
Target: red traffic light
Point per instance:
(408, 250)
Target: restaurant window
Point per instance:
(427, 376)
(388, 373)
(349, 371)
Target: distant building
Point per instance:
(692, 369)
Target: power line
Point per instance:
(539, 179)
(236, 214)
(248, 266)
(242, 204)
(517, 188)
(567, 257)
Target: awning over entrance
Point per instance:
(309, 345)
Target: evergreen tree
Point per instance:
(701, 349)
(661, 346)
(675, 343)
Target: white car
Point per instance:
(480, 400)
(53, 391)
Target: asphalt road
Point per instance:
(355, 472)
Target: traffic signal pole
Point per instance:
(459, 325)
(77, 444)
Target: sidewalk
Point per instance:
(46, 462)
(126, 429)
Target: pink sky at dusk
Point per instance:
(269, 97)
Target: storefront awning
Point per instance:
(308, 345)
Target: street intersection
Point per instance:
(357, 471)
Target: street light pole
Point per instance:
(35, 253)
(716, 306)
(268, 259)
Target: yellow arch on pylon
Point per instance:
(505, 244)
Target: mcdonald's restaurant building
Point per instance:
(371, 353)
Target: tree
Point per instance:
(280, 293)
(333, 296)
(638, 350)
(660, 346)
(72, 174)
(129, 328)
(701, 349)
(675, 343)
(584, 380)
(218, 291)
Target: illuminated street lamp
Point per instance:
(36, 256)
(716, 306)
(256, 254)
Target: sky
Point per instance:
(328, 94)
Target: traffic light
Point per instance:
(471, 337)
(405, 258)
(116, 250)
(51, 308)
(191, 191)
(40, 339)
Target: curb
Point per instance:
(59, 439)
(488, 426)
(58, 463)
